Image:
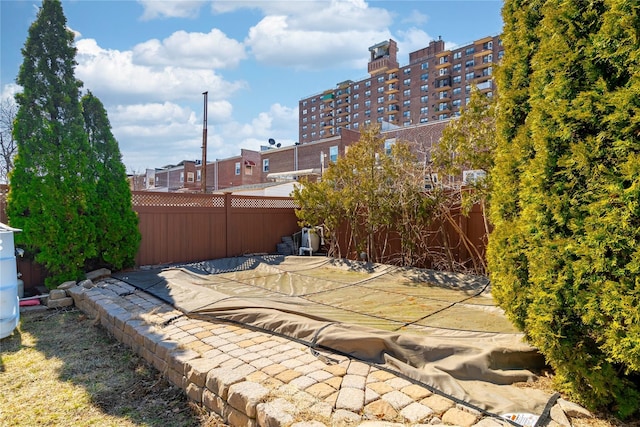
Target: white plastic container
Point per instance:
(9, 300)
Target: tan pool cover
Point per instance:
(439, 329)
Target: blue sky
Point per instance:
(150, 60)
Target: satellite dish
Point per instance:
(272, 141)
(278, 145)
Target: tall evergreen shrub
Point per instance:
(116, 223)
(565, 251)
(51, 185)
(68, 189)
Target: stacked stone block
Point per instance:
(252, 378)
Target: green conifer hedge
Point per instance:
(564, 255)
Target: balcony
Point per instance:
(392, 88)
(486, 74)
(444, 95)
(392, 77)
(443, 107)
(485, 86)
(392, 99)
(328, 97)
(443, 82)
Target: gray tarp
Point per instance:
(439, 329)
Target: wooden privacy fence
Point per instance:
(188, 227)
(179, 227)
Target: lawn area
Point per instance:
(58, 368)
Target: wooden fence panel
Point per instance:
(182, 227)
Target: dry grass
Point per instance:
(59, 369)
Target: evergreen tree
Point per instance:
(565, 252)
(115, 221)
(51, 186)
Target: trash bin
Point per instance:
(9, 300)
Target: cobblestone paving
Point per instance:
(253, 378)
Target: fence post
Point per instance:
(227, 219)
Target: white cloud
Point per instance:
(279, 123)
(272, 41)
(112, 73)
(191, 50)
(170, 9)
(416, 18)
(9, 92)
(411, 40)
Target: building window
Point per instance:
(367, 103)
(367, 93)
(424, 66)
(265, 164)
(456, 102)
(248, 170)
(457, 90)
(380, 110)
(190, 177)
(442, 117)
(407, 92)
(406, 113)
(424, 76)
(356, 106)
(367, 122)
(424, 120)
(381, 89)
(470, 63)
(333, 154)
(470, 50)
(424, 88)
(199, 175)
(407, 82)
(500, 54)
(469, 76)
(380, 99)
(304, 111)
(388, 144)
(356, 96)
(381, 79)
(457, 67)
(406, 102)
(355, 116)
(237, 168)
(457, 55)
(367, 83)
(181, 176)
(356, 87)
(457, 79)
(424, 99)
(424, 110)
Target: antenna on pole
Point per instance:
(203, 166)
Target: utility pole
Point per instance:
(203, 166)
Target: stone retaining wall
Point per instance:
(252, 378)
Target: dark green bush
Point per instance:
(565, 252)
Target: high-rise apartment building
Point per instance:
(435, 85)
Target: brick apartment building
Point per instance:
(434, 86)
(413, 102)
